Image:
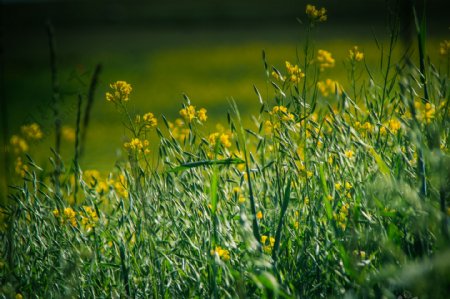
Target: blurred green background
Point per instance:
(209, 50)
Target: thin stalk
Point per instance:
(90, 102)
(77, 149)
(55, 104)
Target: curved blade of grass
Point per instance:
(190, 165)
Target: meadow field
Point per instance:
(285, 162)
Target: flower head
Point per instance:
(120, 92)
(325, 59)
(316, 15)
(355, 54)
(150, 120)
(444, 48)
(32, 131)
(188, 113)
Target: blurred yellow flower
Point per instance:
(19, 145)
(325, 59)
(20, 168)
(223, 254)
(444, 47)
(316, 15)
(328, 87)
(70, 215)
(349, 154)
(355, 54)
(68, 133)
(188, 113)
(150, 120)
(32, 131)
(201, 114)
(295, 72)
(120, 92)
(259, 215)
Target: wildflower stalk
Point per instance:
(77, 149)
(55, 102)
(90, 102)
(4, 123)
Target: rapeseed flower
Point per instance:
(223, 254)
(188, 113)
(32, 131)
(19, 145)
(150, 120)
(295, 73)
(20, 168)
(259, 215)
(328, 87)
(316, 15)
(120, 92)
(349, 154)
(444, 47)
(70, 216)
(201, 114)
(355, 54)
(68, 133)
(325, 59)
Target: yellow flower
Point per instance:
(225, 140)
(263, 239)
(348, 186)
(394, 125)
(19, 296)
(349, 154)
(68, 133)
(316, 15)
(355, 54)
(188, 113)
(19, 145)
(295, 72)
(223, 254)
(241, 199)
(120, 92)
(325, 59)
(20, 168)
(328, 87)
(338, 186)
(55, 212)
(70, 214)
(201, 114)
(259, 215)
(150, 120)
(277, 76)
(444, 47)
(32, 131)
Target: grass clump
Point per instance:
(334, 191)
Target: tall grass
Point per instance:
(328, 194)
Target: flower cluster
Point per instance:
(18, 144)
(32, 131)
(20, 168)
(355, 54)
(89, 218)
(316, 15)
(138, 145)
(328, 87)
(68, 133)
(342, 215)
(325, 59)
(189, 113)
(282, 113)
(267, 246)
(223, 254)
(295, 73)
(223, 138)
(69, 216)
(444, 48)
(120, 92)
(150, 120)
